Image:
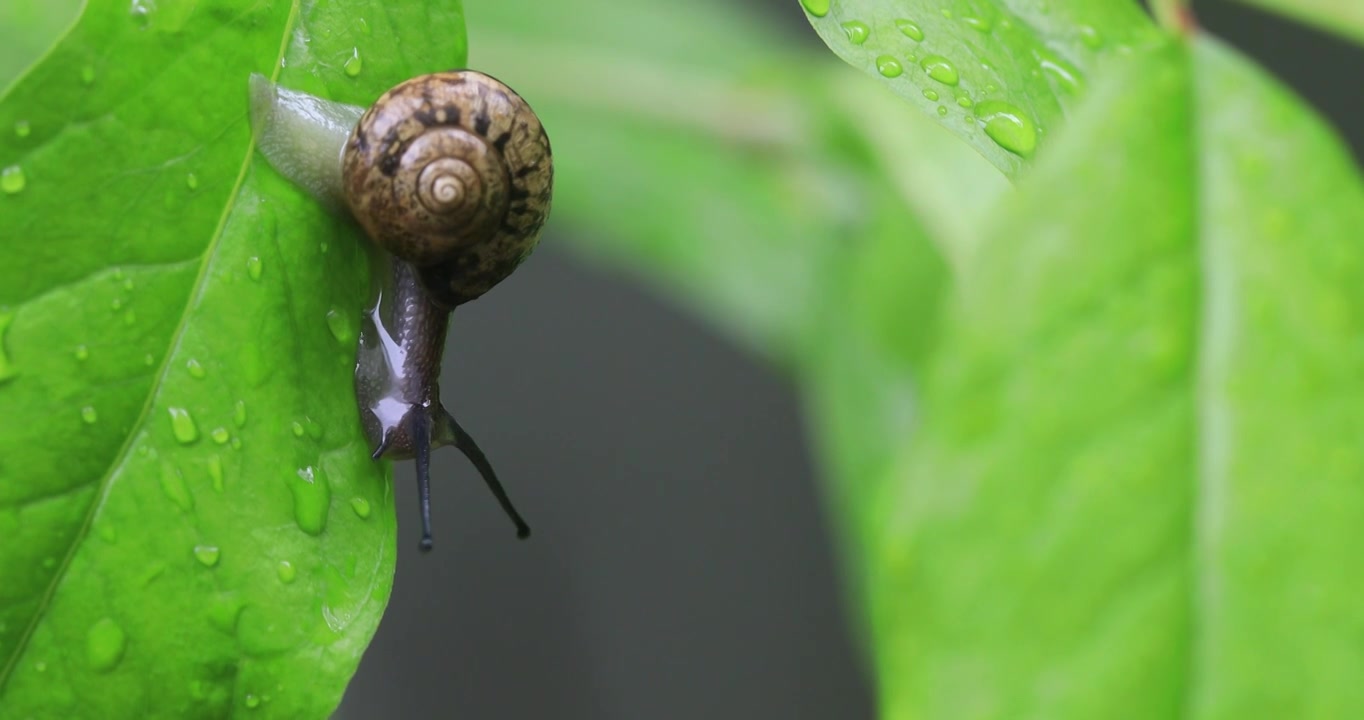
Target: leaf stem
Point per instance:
(1175, 16)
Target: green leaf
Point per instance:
(1001, 76)
(1137, 486)
(728, 169)
(1342, 16)
(684, 156)
(192, 525)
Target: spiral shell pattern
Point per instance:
(451, 172)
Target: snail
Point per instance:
(450, 176)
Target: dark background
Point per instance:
(680, 566)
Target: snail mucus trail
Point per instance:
(449, 174)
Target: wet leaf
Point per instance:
(179, 444)
(1137, 471)
(1000, 75)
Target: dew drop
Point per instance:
(141, 10)
(49, 562)
(1065, 75)
(88, 74)
(252, 702)
(297, 427)
(239, 414)
(12, 180)
(107, 532)
(105, 642)
(89, 415)
(964, 101)
(942, 111)
(215, 471)
(1008, 126)
(910, 29)
(40, 666)
(314, 428)
(947, 13)
(979, 24)
(196, 369)
(360, 506)
(182, 425)
(286, 571)
(173, 484)
(148, 360)
(1091, 37)
(354, 64)
(857, 31)
(220, 435)
(236, 443)
(22, 128)
(129, 317)
(207, 555)
(192, 181)
(818, 8)
(312, 498)
(128, 284)
(941, 69)
(340, 324)
(82, 353)
(889, 66)
(931, 94)
(254, 267)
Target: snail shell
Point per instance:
(451, 172)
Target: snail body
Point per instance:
(450, 176)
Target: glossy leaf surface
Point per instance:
(192, 524)
(1000, 75)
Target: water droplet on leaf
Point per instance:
(105, 642)
(354, 64)
(889, 66)
(1008, 126)
(941, 69)
(12, 180)
(182, 425)
(910, 30)
(312, 500)
(818, 8)
(207, 555)
(857, 31)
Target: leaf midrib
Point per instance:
(106, 481)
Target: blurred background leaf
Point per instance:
(1138, 467)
